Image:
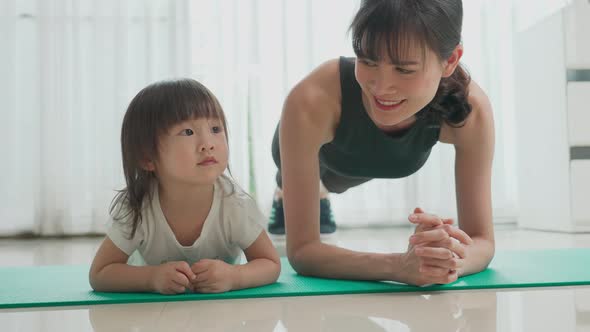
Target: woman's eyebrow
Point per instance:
(406, 63)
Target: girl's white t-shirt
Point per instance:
(234, 222)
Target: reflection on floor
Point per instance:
(553, 309)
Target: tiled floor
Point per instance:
(540, 309)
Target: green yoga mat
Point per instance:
(44, 286)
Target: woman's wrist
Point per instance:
(395, 267)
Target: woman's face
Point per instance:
(394, 92)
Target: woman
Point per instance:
(378, 116)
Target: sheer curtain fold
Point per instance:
(302, 39)
(292, 44)
(75, 65)
(72, 66)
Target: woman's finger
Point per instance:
(434, 252)
(450, 243)
(448, 264)
(433, 271)
(459, 234)
(434, 235)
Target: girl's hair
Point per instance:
(151, 113)
(401, 24)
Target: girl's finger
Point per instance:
(201, 277)
(203, 289)
(181, 279)
(177, 288)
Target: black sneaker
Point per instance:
(276, 224)
(327, 224)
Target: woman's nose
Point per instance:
(383, 84)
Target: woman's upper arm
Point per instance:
(474, 148)
(310, 116)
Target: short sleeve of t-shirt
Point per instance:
(245, 221)
(119, 233)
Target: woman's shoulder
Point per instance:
(321, 85)
(316, 99)
(480, 120)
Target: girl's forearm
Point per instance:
(120, 277)
(257, 272)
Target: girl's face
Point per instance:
(393, 93)
(193, 152)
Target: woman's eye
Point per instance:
(405, 71)
(216, 129)
(187, 132)
(369, 63)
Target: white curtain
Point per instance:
(69, 68)
(287, 39)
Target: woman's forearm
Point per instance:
(327, 261)
(479, 254)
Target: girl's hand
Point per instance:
(172, 278)
(213, 276)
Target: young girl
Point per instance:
(187, 220)
(378, 116)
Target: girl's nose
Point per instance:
(206, 146)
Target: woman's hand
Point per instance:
(439, 247)
(213, 276)
(417, 270)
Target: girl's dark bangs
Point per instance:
(189, 101)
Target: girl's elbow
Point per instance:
(94, 278)
(94, 283)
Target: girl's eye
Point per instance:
(216, 129)
(187, 132)
(405, 71)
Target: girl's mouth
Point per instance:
(208, 161)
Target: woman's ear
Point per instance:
(453, 61)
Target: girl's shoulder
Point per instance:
(236, 202)
(231, 191)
